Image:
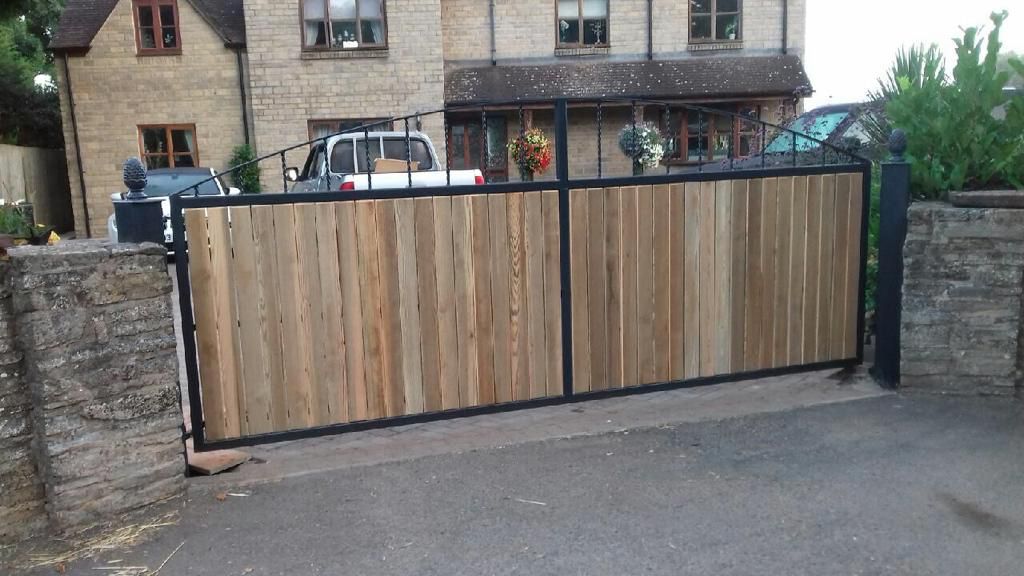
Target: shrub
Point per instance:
(247, 178)
(954, 139)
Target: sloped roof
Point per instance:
(82, 19)
(695, 77)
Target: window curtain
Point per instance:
(372, 18)
(315, 27)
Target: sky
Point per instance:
(850, 44)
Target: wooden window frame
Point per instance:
(157, 27)
(491, 174)
(170, 143)
(311, 124)
(327, 25)
(714, 24)
(680, 118)
(580, 44)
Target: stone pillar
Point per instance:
(21, 492)
(94, 322)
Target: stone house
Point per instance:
(182, 82)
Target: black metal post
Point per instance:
(892, 234)
(408, 153)
(188, 328)
(668, 136)
(484, 143)
(562, 169)
(369, 165)
(447, 150)
(600, 121)
(284, 172)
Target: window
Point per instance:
(467, 147)
(169, 146)
(343, 24)
(156, 26)
(715, 20)
(344, 159)
(322, 128)
(695, 137)
(582, 23)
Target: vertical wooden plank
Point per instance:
(597, 289)
(334, 328)
(645, 285)
(256, 417)
(840, 268)
(204, 309)
(227, 321)
(754, 290)
(426, 280)
(662, 284)
(739, 273)
(798, 254)
(296, 375)
(351, 297)
(613, 279)
(810, 312)
(370, 290)
(677, 286)
(826, 267)
(856, 183)
(312, 319)
(465, 301)
(447, 331)
(783, 237)
(769, 239)
(578, 235)
(500, 260)
(482, 294)
(391, 308)
(552, 295)
(270, 313)
(536, 351)
(708, 295)
(723, 276)
(691, 279)
(409, 302)
(630, 258)
(518, 298)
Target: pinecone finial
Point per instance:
(135, 178)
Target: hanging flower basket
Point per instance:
(531, 152)
(644, 144)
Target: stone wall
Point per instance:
(91, 324)
(962, 300)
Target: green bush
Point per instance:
(956, 139)
(247, 178)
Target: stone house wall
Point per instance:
(116, 90)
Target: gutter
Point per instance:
(785, 26)
(494, 46)
(241, 92)
(78, 147)
(650, 29)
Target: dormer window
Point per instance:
(343, 24)
(156, 26)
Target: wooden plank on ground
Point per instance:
(613, 280)
(270, 312)
(334, 328)
(677, 283)
(754, 291)
(482, 293)
(783, 266)
(840, 268)
(205, 312)
(426, 279)
(370, 290)
(312, 320)
(810, 313)
(533, 235)
(216, 461)
(552, 295)
(769, 238)
(723, 276)
(391, 308)
(739, 274)
(797, 276)
(518, 298)
(691, 280)
(708, 294)
(465, 301)
(645, 285)
(662, 284)
(296, 375)
(826, 267)
(597, 289)
(853, 250)
(447, 324)
(630, 222)
(352, 308)
(578, 237)
(501, 297)
(409, 298)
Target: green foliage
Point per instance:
(923, 68)
(1016, 78)
(874, 220)
(954, 139)
(29, 114)
(247, 178)
(13, 223)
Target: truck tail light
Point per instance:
(350, 185)
(479, 180)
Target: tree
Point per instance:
(29, 113)
(1003, 64)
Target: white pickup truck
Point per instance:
(340, 163)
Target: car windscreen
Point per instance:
(342, 161)
(161, 185)
(817, 126)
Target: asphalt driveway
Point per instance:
(890, 485)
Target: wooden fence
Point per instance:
(38, 176)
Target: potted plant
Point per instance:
(531, 153)
(16, 229)
(642, 143)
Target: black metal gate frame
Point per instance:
(181, 201)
